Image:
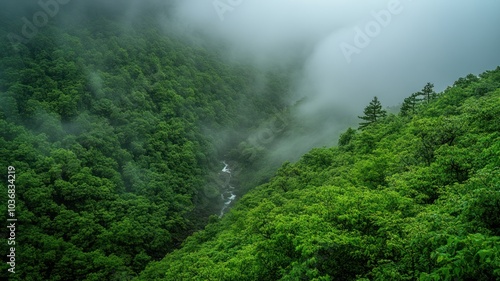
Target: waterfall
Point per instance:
(227, 190)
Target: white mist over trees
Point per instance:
(119, 115)
(401, 45)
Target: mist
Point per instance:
(350, 51)
(134, 126)
(421, 41)
(343, 52)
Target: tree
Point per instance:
(409, 105)
(465, 82)
(346, 137)
(373, 112)
(428, 92)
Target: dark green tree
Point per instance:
(346, 138)
(409, 105)
(465, 82)
(373, 112)
(428, 92)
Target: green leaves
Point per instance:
(114, 133)
(346, 138)
(116, 136)
(399, 200)
(474, 256)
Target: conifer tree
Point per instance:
(428, 92)
(409, 105)
(373, 112)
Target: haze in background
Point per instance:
(427, 40)
(393, 49)
(345, 51)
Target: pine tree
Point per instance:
(373, 112)
(409, 105)
(428, 92)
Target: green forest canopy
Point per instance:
(116, 132)
(409, 197)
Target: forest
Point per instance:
(407, 196)
(114, 135)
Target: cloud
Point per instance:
(394, 46)
(409, 44)
(426, 41)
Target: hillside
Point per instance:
(116, 134)
(201, 140)
(413, 196)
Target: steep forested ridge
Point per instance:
(414, 196)
(113, 131)
(117, 128)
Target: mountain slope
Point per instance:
(114, 131)
(413, 197)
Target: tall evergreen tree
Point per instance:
(373, 112)
(428, 92)
(409, 105)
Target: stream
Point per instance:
(227, 190)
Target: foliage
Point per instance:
(402, 199)
(410, 105)
(114, 134)
(373, 113)
(428, 93)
